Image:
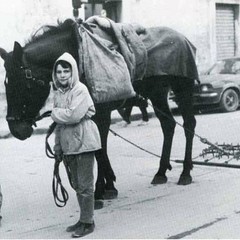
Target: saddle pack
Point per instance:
(110, 67)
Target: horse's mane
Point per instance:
(50, 30)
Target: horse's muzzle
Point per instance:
(20, 130)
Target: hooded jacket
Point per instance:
(72, 111)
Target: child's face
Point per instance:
(63, 75)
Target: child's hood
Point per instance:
(75, 77)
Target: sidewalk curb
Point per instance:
(134, 117)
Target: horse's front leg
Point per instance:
(168, 127)
(189, 126)
(185, 103)
(104, 188)
(185, 177)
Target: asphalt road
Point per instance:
(208, 208)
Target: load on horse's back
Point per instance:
(168, 61)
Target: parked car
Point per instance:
(219, 87)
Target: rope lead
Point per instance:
(56, 182)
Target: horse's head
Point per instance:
(27, 87)
(28, 77)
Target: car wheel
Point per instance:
(229, 101)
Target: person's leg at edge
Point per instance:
(0, 204)
(145, 117)
(127, 114)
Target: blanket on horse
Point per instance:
(168, 52)
(114, 54)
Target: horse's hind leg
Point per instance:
(159, 98)
(183, 89)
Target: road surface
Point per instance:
(208, 208)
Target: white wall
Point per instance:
(193, 18)
(164, 13)
(21, 18)
(189, 17)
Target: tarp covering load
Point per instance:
(169, 52)
(140, 53)
(105, 69)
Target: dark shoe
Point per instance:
(72, 228)
(98, 204)
(83, 230)
(127, 120)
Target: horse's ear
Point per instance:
(3, 53)
(17, 51)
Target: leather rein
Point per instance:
(57, 186)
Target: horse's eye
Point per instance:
(28, 73)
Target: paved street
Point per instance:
(208, 208)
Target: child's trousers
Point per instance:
(81, 174)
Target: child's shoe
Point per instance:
(73, 227)
(83, 230)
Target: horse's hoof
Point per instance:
(159, 179)
(185, 180)
(110, 194)
(98, 204)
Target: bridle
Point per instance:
(30, 80)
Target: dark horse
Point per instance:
(28, 83)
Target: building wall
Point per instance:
(21, 18)
(193, 18)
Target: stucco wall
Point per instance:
(189, 17)
(21, 18)
(193, 18)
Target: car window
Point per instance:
(217, 68)
(229, 66)
(236, 67)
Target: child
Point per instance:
(76, 137)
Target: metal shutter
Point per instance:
(225, 31)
